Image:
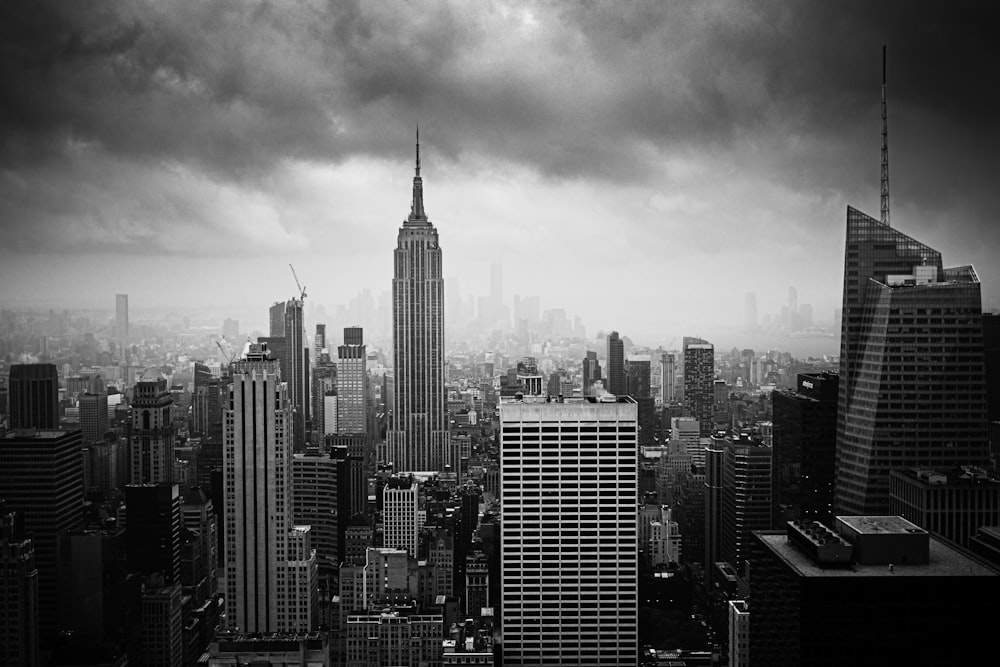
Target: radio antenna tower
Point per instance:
(885, 150)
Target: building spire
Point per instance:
(885, 150)
(417, 206)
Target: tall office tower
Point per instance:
(121, 319)
(496, 290)
(314, 503)
(319, 341)
(161, 624)
(401, 514)
(668, 391)
(33, 396)
(19, 592)
(41, 478)
(616, 365)
(261, 595)
(324, 385)
(793, 309)
(804, 443)
(93, 417)
(750, 312)
(715, 463)
(352, 383)
(276, 317)
(151, 436)
(570, 539)
(230, 328)
(746, 498)
(637, 376)
(699, 382)
(153, 530)
(419, 436)
(295, 371)
(912, 386)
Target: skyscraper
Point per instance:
(699, 382)
(276, 320)
(33, 396)
(19, 592)
(591, 373)
(263, 591)
(750, 312)
(912, 386)
(153, 530)
(121, 319)
(570, 539)
(41, 478)
(151, 436)
(297, 369)
(352, 383)
(668, 370)
(804, 443)
(93, 417)
(400, 500)
(616, 365)
(419, 436)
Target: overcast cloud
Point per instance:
(687, 152)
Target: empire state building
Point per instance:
(418, 439)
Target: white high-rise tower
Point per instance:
(569, 562)
(271, 576)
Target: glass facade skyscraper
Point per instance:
(912, 385)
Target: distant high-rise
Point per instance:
(151, 436)
(591, 373)
(616, 365)
(324, 396)
(418, 439)
(121, 319)
(33, 396)
(912, 385)
(668, 391)
(352, 383)
(264, 591)
(319, 341)
(699, 382)
(569, 550)
(750, 312)
(93, 417)
(746, 498)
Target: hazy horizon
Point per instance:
(642, 166)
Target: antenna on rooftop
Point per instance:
(885, 150)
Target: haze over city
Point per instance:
(641, 165)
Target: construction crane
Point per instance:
(229, 354)
(302, 290)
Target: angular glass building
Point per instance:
(912, 382)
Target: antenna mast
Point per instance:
(885, 150)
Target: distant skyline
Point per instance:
(642, 166)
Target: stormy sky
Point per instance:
(641, 164)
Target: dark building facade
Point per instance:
(898, 597)
(804, 443)
(41, 478)
(615, 365)
(33, 396)
(591, 373)
(912, 386)
(699, 382)
(953, 504)
(153, 530)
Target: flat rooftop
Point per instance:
(881, 525)
(943, 561)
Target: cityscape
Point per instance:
(405, 334)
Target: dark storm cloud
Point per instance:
(233, 89)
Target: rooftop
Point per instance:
(943, 560)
